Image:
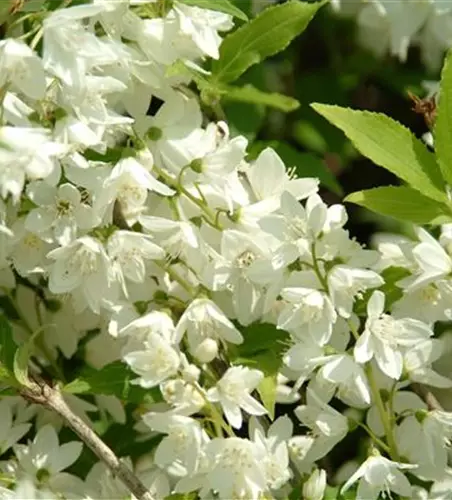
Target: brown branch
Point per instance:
(427, 396)
(41, 393)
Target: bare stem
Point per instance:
(428, 397)
(50, 397)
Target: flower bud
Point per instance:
(191, 373)
(314, 487)
(206, 350)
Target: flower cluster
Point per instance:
(131, 229)
(393, 27)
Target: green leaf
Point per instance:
(402, 203)
(270, 32)
(443, 124)
(22, 357)
(251, 94)
(262, 349)
(182, 496)
(260, 337)
(8, 347)
(112, 379)
(218, 5)
(392, 292)
(390, 145)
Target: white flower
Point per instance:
(276, 461)
(60, 209)
(236, 469)
(182, 396)
(296, 227)
(202, 26)
(177, 122)
(10, 431)
(183, 444)
(244, 265)
(429, 303)
(327, 425)
(26, 153)
(81, 267)
(154, 362)
(44, 459)
(417, 361)
(203, 320)
(269, 179)
(29, 249)
(22, 68)
(422, 439)
(346, 284)
(129, 183)
(307, 311)
(233, 392)
(378, 474)
(343, 371)
(69, 48)
(384, 336)
(128, 252)
(304, 357)
(434, 263)
(26, 490)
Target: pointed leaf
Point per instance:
(402, 203)
(113, 379)
(8, 347)
(22, 357)
(270, 32)
(390, 145)
(218, 5)
(443, 124)
(251, 94)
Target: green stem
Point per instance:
(217, 417)
(385, 419)
(174, 275)
(200, 203)
(374, 438)
(376, 397)
(317, 270)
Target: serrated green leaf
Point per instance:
(390, 145)
(8, 347)
(443, 123)
(113, 379)
(251, 94)
(218, 5)
(270, 32)
(402, 203)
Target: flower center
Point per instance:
(245, 259)
(385, 328)
(431, 295)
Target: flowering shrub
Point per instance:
(199, 318)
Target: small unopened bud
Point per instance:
(314, 487)
(206, 351)
(191, 373)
